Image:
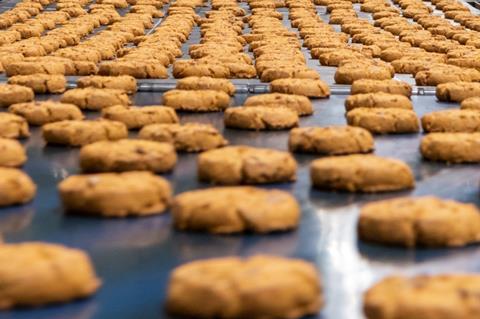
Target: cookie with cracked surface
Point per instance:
(260, 118)
(307, 87)
(466, 121)
(182, 70)
(189, 137)
(384, 120)
(11, 94)
(115, 194)
(361, 173)
(238, 287)
(298, 103)
(332, 140)
(438, 75)
(125, 83)
(13, 126)
(138, 69)
(451, 147)
(64, 274)
(12, 153)
(78, 133)
(95, 99)
(378, 100)
(136, 117)
(35, 67)
(43, 112)
(16, 187)
(206, 83)
(227, 210)
(196, 101)
(235, 165)
(457, 91)
(387, 86)
(349, 73)
(41, 83)
(472, 103)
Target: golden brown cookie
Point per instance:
(136, 117)
(378, 100)
(332, 140)
(39, 113)
(260, 118)
(307, 87)
(55, 274)
(452, 121)
(471, 103)
(13, 126)
(12, 153)
(226, 210)
(349, 73)
(206, 83)
(361, 173)
(435, 76)
(115, 194)
(235, 165)
(11, 94)
(386, 86)
(238, 286)
(298, 103)
(457, 91)
(451, 147)
(196, 101)
(41, 83)
(384, 120)
(95, 99)
(16, 187)
(138, 69)
(125, 83)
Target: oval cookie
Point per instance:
(196, 101)
(378, 100)
(384, 120)
(136, 117)
(40, 113)
(451, 147)
(387, 86)
(260, 118)
(452, 121)
(307, 87)
(298, 103)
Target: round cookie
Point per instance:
(41, 83)
(39, 113)
(95, 99)
(376, 100)
(127, 155)
(16, 187)
(206, 83)
(115, 194)
(451, 147)
(332, 140)
(423, 296)
(457, 91)
(349, 73)
(13, 126)
(471, 103)
(466, 121)
(260, 118)
(307, 87)
(55, 274)
(136, 68)
(361, 173)
(387, 86)
(196, 101)
(126, 83)
(226, 210)
(298, 103)
(238, 288)
(11, 94)
(235, 165)
(12, 153)
(384, 120)
(78, 133)
(189, 137)
(424, 221)
(135, 117)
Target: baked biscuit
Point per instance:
(11, 94)
(41, 83)
(125, 83)
(332, 140)
(457, 91)
(115, 194)
(16, 188)
(12, 153)
(472, 103)
(95, 99)
(466, 121)
(298, 103)
(422, 296)
(136, 117)
(189, 137)
(196, 101)
(226, 210)
(35, 67)
(361, 173)
(78, 133)
(206, 83)
(238, 286)
(436, 76)
(13, 126)
(43, 112)
(260, 118)
(387, 86)
(127, 155)
(349, 73)
(235, 165)
(451, 147)
(384, 120)
(138, 69)
(182, 70)
(378, 100)
(307, 87)
(55, 274)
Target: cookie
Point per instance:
(384, 120)
(196, 101)
(78, 133)
(471, 103)
(348, 74)
(95, 99)
(260, 118)
(126, 83)
(206, 83)
(332, 140)
(189, 137)
(115, 194)
(11, 94)
(466, 121)
(136, 117)
(43, 112)
(386, 86)
(13, 126)
(435, 76)
(378, 100)
(35, 67)
(457, 91)
(41, 83)
(226, 210)
(55, 274)
(307, 87)
(12, 153)
(235, 165)
(298, 103)
(361, 173)
(138, 69)
(238, 286)
(451, 147)
(423, 296)
(182, 70)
